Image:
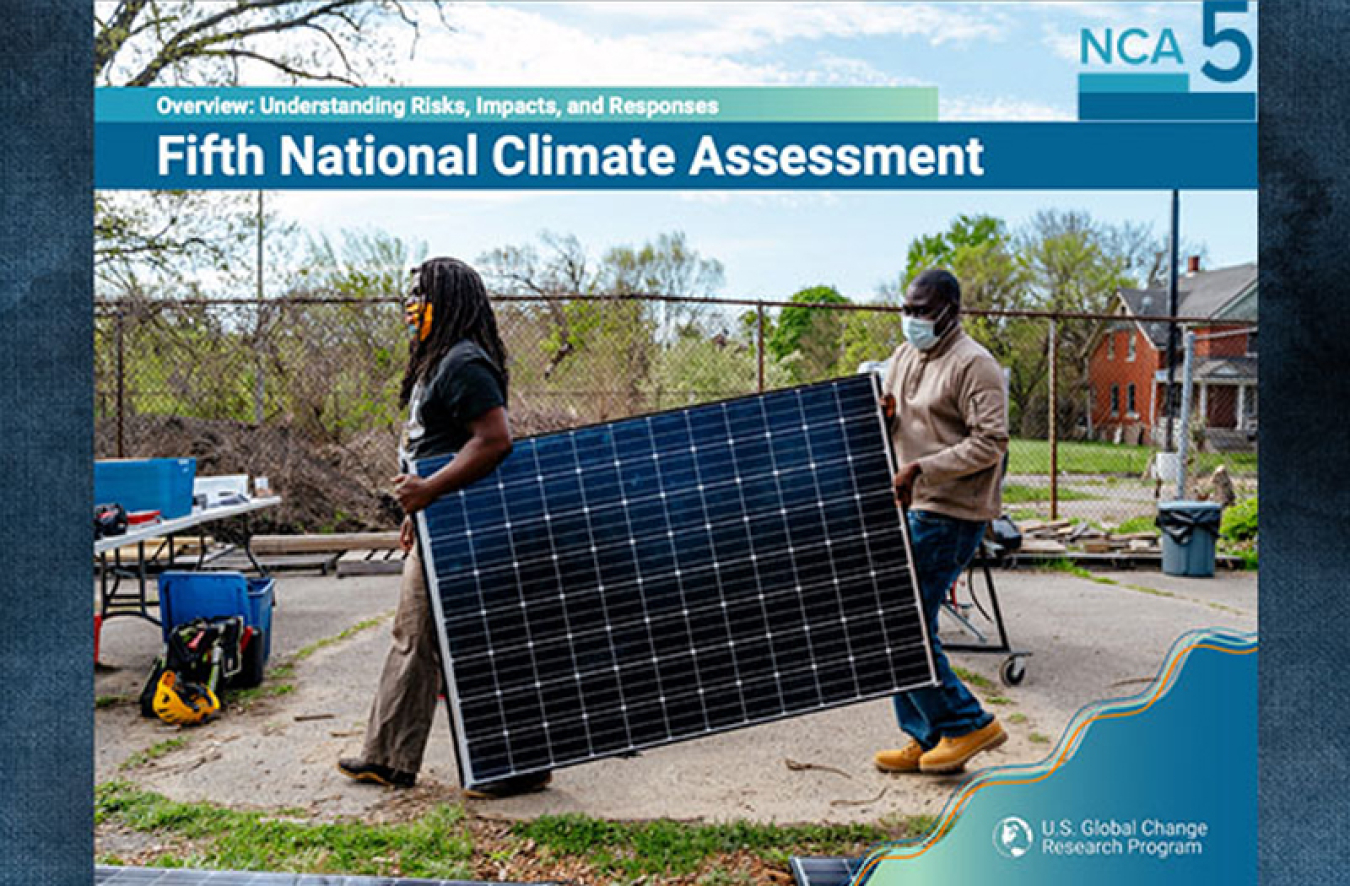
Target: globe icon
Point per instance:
(1013, 837)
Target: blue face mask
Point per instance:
(922, 334)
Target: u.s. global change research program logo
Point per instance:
(1013, 837)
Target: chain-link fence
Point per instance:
(304, 390)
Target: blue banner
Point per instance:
(677, 156)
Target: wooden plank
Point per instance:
(309, 544)
(350, 568)
(324, 562)
(181, 546)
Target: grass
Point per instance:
(436, 845)
(1065, 565)
(1137, 524)
(273, 685)
(112, 701)
(443, 843)
(668, 848)
(1033, 457)
(352, 631)
(979, 681)
(1016, 493)
(1244, 551)
(154, 752)
(1038, 738)
(1017, 718)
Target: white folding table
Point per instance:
(116, 602)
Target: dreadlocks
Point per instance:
(460, 310)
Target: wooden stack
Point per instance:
(350, 553)
(1055, 537)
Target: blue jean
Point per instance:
(943, 547)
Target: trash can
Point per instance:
(1189, 530)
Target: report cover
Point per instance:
(676, 442)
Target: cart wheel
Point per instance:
(1013, 671)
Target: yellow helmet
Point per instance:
(183, 703)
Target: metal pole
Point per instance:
(1187, 384)
(1172, 313)
(121, 386)
(258, 389)
(759, 341)
(1054, 419)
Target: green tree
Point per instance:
(810, 341)
(603, 353)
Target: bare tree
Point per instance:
(171, 236)
(148, 42)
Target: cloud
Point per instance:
(749, 27)
(978, 107)
(681, 44)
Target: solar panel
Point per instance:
(823, 871)
(661, 578)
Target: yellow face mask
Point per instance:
(418, 317)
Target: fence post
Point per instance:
(121, 384)
(1053, 418)
(1184, 424)
(759, 341)
(259, 392)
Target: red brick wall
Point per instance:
(1227, 346)
(1106, 370)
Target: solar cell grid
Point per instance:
(664, 577)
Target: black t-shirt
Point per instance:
(463, 386)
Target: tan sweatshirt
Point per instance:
(952, 418)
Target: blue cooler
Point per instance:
(148, 484)
(185, 596)
(1189, 531)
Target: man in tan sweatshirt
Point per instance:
(945, 398)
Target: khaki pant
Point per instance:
(405, 702)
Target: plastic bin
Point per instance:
(1189, 531)
(185, 596)
(150, 484)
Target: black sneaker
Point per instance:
(359, 770)
(510, 787)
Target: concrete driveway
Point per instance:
(1091, 640)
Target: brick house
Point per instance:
(1127, 366)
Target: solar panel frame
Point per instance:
(470, 778)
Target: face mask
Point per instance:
(419, 321)
(922, 334)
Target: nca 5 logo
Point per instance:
(1229, 49)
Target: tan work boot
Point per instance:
(952, 754)
(905, 759)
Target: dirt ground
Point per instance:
(1089, 640)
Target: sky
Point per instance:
(989, 61)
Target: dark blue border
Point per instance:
(46, 450)
(1305, 442)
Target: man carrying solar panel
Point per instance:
(455, 388)
(945, 399)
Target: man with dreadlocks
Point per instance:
(455, 391)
